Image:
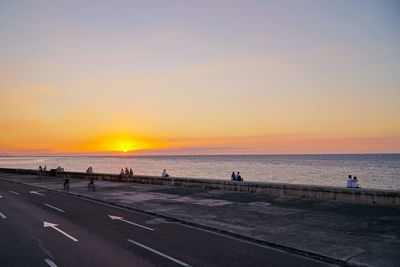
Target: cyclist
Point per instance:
(66, 182)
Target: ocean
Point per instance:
(380, 171)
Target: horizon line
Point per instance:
(174, 155)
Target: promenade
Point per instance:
(341, 233)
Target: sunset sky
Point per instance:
(199, 77)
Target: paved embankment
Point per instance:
(346, 233)
(315, 192)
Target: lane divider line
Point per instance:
(14, 192)
(50, 263)
(50, 206)
(3, 216)
(122, 219)
(1, 196)
(159, 253)
(36, 193)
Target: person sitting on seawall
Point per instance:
(354, 183)
(59, 169)
(121, 174)
(126, 172)
(238, 177)
(40, 171)
(164, 173)
(233, 177)
(130, 172)
(45, 168)
(349, 181)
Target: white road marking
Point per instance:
(1, 196)
(53, 225)
(122, 219)
(158, 253)
(2, 215)
(14, 192)
(36, 193)
(50, 263)
(50, 206)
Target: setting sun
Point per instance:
(126, 143)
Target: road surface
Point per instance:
(43, 228)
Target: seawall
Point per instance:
(316, 192)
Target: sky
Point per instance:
(199, 77)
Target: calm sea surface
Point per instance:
(373, 170)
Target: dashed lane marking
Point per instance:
(2, 215)
(50, 263)
(50, 206)
(158, 253)
(16, 193)
(36, 193)
(122, 219)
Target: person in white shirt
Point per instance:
(354, 183)
(349, 181)
(238, 177)
(164, 173)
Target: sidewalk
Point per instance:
(355, 234)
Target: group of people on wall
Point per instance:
(352, 182)
(126, 174)
(89, 170)
(40, 170)
(129, 173)
(236, 177)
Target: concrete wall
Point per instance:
(367, 196)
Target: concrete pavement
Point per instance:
(352, 234)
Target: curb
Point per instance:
(209, 228)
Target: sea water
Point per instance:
(381, 171)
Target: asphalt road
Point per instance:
(43, 228)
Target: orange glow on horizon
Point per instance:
(273, 144)
(119, 143)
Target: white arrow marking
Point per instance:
(36, 193)
(122, 219)
(50, 206)
(2, 215)
(53, 225)
(14, 192)
(159, 253)
(50, 263)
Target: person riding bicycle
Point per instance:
(66, 182)
(91, 183)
